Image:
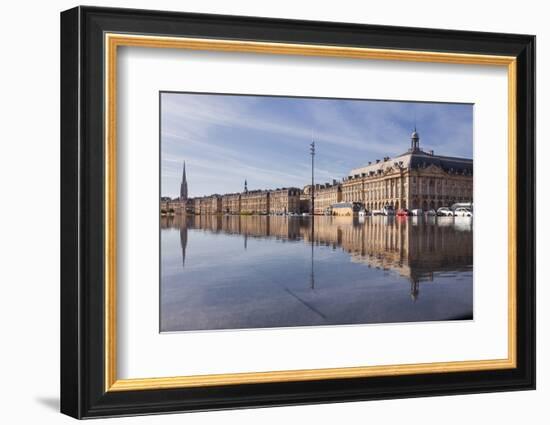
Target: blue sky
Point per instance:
(225, 139)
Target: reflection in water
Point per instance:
(360, 270)
(183, 241)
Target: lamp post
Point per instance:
(312, 152)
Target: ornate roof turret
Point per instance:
(415, 141)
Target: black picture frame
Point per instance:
(83, 392)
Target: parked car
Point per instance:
(388, 210)
(431, 213)
(468, 205)
(444, 212)
(417, 212)
(463, 212)
(403, 212)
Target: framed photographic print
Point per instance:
(261, 212)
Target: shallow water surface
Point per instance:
(241, 272)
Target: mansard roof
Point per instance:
(447, 163)
(419, 159)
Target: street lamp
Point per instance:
(312, 152)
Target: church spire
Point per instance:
(183, 187)
(245, 186)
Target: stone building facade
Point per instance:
(326, 195)
(207, 204)
(231, 203)
(284, 201)
(305, 199)
(279, 201)
(168, 206)
(188, 206)
(255, 202)
(196, 204)
(215, 204)
(415, 179)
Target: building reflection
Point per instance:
(414, 247)
(183, 242)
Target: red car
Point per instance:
(402, 212)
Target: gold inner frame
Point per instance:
(113, 41)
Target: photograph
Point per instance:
(279, 211)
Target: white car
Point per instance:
(417, 212)
(444, 212)
(463, 212)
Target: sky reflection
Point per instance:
(241, 272)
